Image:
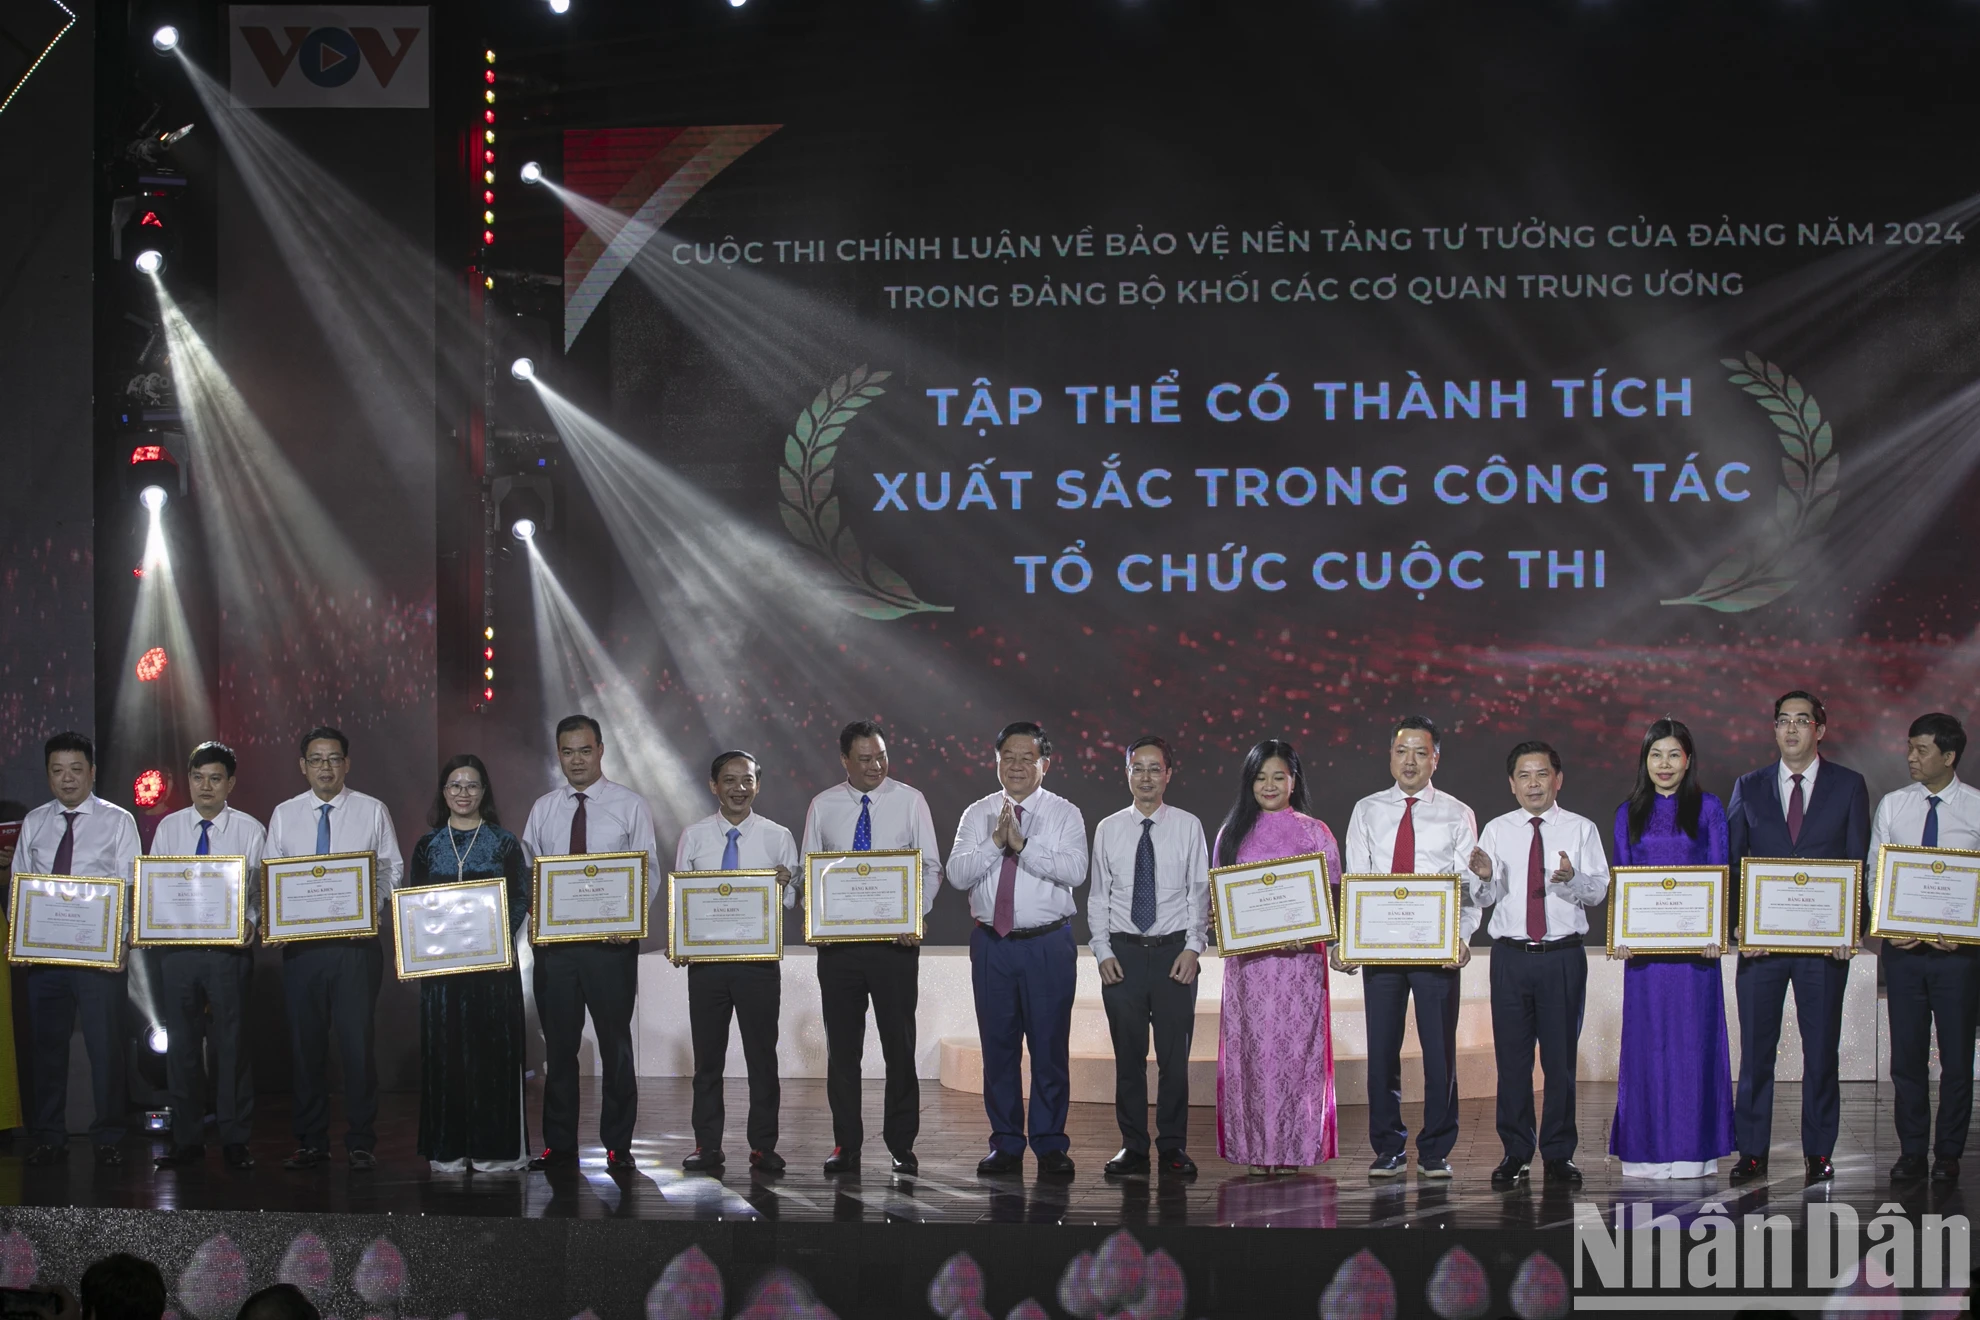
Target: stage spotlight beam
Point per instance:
(158, 1039)
(523, 369)
(531, 172)
(165, 40)
(560, 6)
(152, 498)
(150, 261)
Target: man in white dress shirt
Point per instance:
(1410, 828)
(589, 814)
(331, 985)
(1149, 910)
(1543, 867)
(870, 812)
(76, 834)
(1931, 982)
(735, 838)
(1019, 854)
(203, 980)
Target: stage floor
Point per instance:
(948, 1189)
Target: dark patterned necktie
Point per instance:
(1143, 909)
(1794, 812)
(1930, 838)
(205, 848)
(1003, 919)
(65, 851)
(578, 828)
(1536, 888)
(863, 831)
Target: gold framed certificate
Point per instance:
(68, 921)
(1280, 904)
(446, 929)
(724, 916)
(1668, 909)
(851, 896)
(329, 897)
(189, 900)
(1408, 919)
(1799, 905)
(1927, 893)
(588, 896)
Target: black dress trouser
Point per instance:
(890, 976)
(1144, 999)
(751, 991)
(570, 979)
(1923, 988)
(1537, 998)
(206, 991)
(332, 988)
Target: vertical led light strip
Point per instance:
(486, 644)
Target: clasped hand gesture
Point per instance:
(1006, 835)
(1480, 863)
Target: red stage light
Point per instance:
(487, 653)
(151, 665)
(488, 236)
(488, 197)
(488, 116)
(488, 694)
(488, 76)
(148, 454)
(148, 789)
(138, 572)
(151, 220)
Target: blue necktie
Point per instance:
(1143, 908)
(323, 829)
(863, 832)
(1931, 836)
(732, 852)
(205, 848)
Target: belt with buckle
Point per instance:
(1147, 941)
(1540, 946)
(1030, 932)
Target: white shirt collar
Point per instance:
(1428, 793)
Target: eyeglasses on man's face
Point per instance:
(1794, 722)
(323, 762)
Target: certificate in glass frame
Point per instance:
(1668, 909)
(329, 897)
(724, 916)
(1927, 893)
(189, 900)
(854, 896)
(1285, 903)
(68, 921)
(588, 896)
(447, 929)
(1400, 919)
(1799, 904)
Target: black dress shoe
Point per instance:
(237, 1155)
(363, 1161)
(1510, 1172)
(1563, 1171)
(1748, 1167)
(1820, 1169)
(1909, 1168)
(620, 1161)
(906, 1162)
(1432, 1168)
(767, 1160)
(180, 1157)
(1126, 1163)
(46, 1155)
(109, 1157)
(307, 1157)
(1175, 1164)
(701, 1161)
(549, 1159)
(1389, 1166)
(842, 1160)
(1000, 1161)
(1055, 1164)
(1946, 1171)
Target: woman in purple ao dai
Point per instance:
(1275, 1052)
(1674, 1092)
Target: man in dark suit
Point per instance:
(1800, 806)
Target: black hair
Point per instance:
(715, 768)
(1026, 729)
(1945, 731)
(1820, 712)
(1244, 812)
(1532, 747)
(572, 723)
(1643, 797)
(214, 753)
(437, 815)
(854, 732)
(1159, 744)
(1418, 722)
(68, 741)
(122, 1287)
(279, 1301)
(324, 733)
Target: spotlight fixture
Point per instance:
(152, 664)
(150, 261)
(158, 1039)
(532, 172)
(560, 6)
(523, 529)
(523, 369)
(165, 40)
(152, 498)
(149, 788)
(737, 4)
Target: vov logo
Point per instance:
(373, 57)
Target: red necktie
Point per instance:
(577, 827)
(65, 851)
(1794, 812)
(1404, 861)
(1006, 914)
(1536, 888)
